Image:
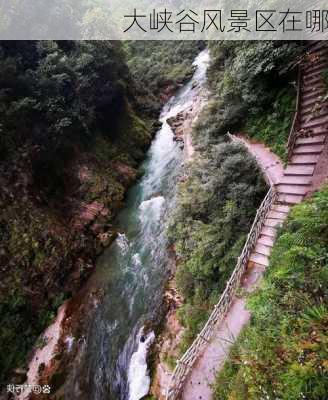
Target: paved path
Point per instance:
(270, 163)
(293, 184)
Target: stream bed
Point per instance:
(133, 271)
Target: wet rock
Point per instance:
(107, 238)
(177, 124)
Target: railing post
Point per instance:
(182, 369)
(293, 132)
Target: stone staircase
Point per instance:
(312, 133)
(307, 148)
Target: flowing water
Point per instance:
(133, 271)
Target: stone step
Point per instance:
(307, 86)
(318, 130)
(266, 240)
(318, 65)
(314, 115)
(310, 91)
(314, 74)
(273, 223)
(308, 149)
(319, 54)
(312, 79)
(319, 88)
(296, 180)
(259, 259)
(290, 198)
(319, 108)
(315, 123)
(280, 208)
(262, 249)
(292, 189)
(305, 159)
(320, 139)
(310, 100)
(277, 215)
(317, 46)
(299, 170)
(267, 231)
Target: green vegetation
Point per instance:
(74, 127)
(57, 94)
(160, 67)
(71, 133)
(273, 127)
(215, 209)
(251, 92)
(283, 353)
(254, 88)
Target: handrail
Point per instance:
(186, 362)
(296, 121)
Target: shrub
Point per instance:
(283, 353)
(215, 209)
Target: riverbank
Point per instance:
(87, 320)
(166, 348)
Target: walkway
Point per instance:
(293, 185)
(270, 164)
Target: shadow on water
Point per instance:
(133, 271)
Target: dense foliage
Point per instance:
(283, 353)
(71, 135)
(74, 126)
(215, 208)
(254, 87)
(54, 94)
(250, 91)
(160, 67)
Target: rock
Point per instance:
(167, 91)
(168, 344)
(177, 124)
(106, 238)
(97, 228)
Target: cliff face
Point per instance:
(67, 159)
(75, 125)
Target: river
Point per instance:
(133, 271)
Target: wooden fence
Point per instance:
(185, 364)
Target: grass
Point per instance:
(283, 353)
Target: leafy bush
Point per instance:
(273, 127)
(283, 353)
(215, 209)
(251, 85)
(72, 132)
(250, 90)
(63, 106)
(157, 65)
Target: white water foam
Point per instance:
(136, 260)
(151, 210)
(138, 374)
(123, 243)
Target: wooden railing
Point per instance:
(293, 135)
(186, 362)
